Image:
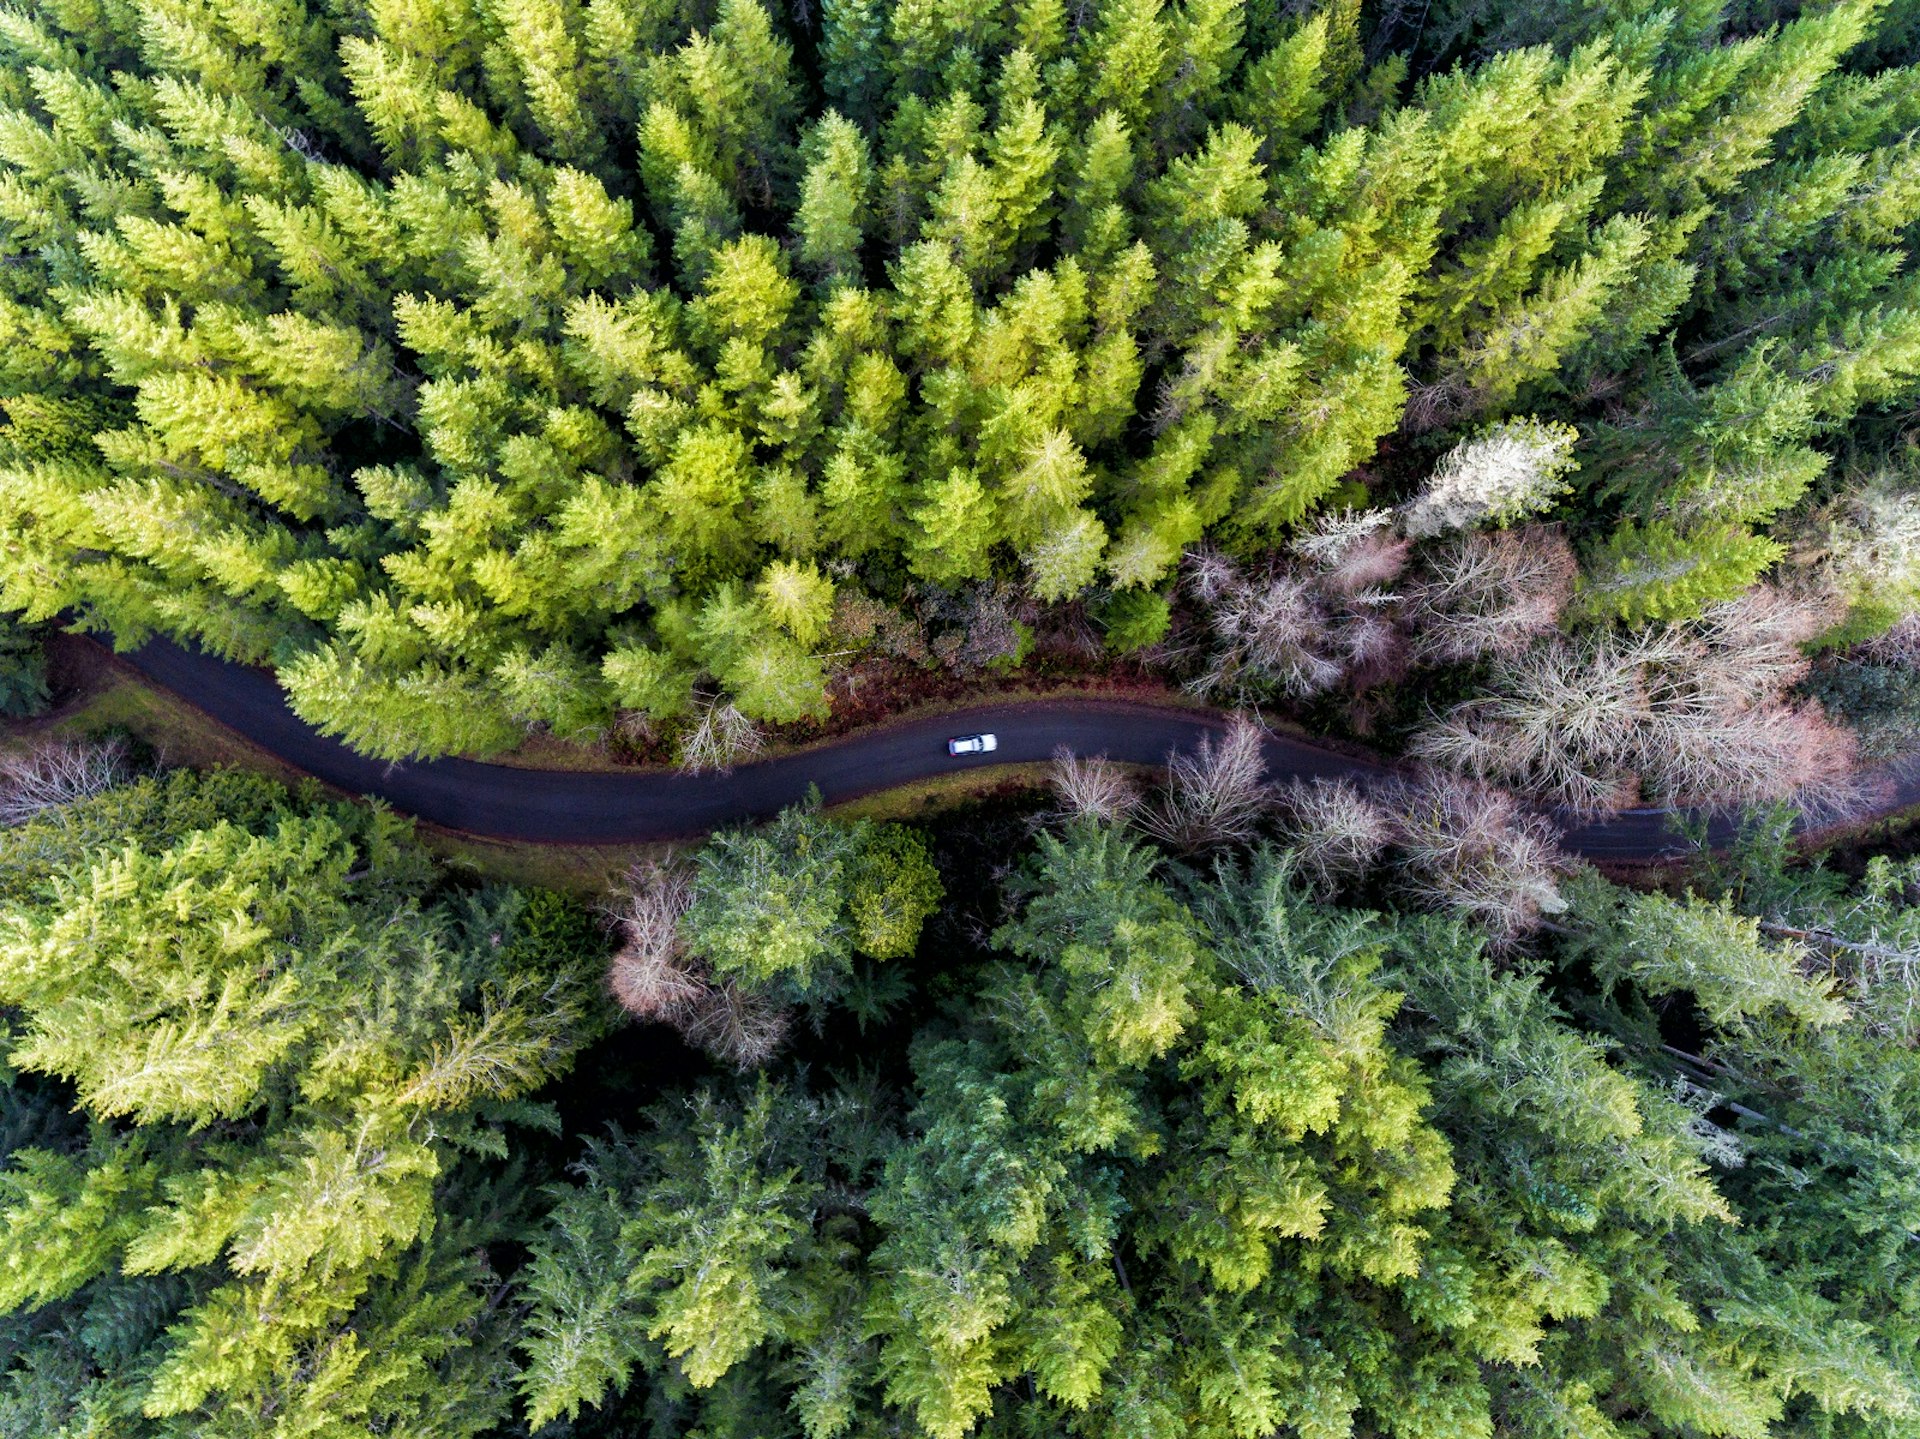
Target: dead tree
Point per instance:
(1216, 795)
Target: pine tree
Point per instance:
(1665, 946)
(896, 889)
(957, 530)
(784, 908)
(274, 1074)
(833, 197)
(798, 598)
(1661, 572)
(339, 344)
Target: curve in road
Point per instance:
(573, 807)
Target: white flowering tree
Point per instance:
(1507, 472)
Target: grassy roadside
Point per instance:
(592, 869)
(1895, 833)
(910, 802)
(588, 870)
(100, 695)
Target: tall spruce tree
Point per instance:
(443, 358)
(259, 1079)
(1198, 1154)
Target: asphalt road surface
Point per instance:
(568, 807)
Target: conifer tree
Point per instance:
(1201, 1154)
(785, 908)
(371, 350)
(278, 1057)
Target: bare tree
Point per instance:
(1271, 633)
(635, 728)
(1284, 634)
(651, 975)
(1692, 714)
(1093, 788)
(981, 625)
(861, 622)
(1215, 795)
(1432, 404)
(1373, 646)
(1717, 754)
(1753, 645)
(1211, 576)
(1353, 550)
(1558, 722)
(1898, 646)
(1720, 728)
(1508, 470)
(721, 738)
(1300, 628)
(58, 772)
(1333, 830)
(737, 1026)
(1492, 593)
(1867, 542)
(1471, 850)
(654, 977)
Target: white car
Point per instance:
(973, 744)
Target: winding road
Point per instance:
(576, 807)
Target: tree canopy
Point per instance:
(1202, 1154)
(256, 1094)
(486, 366)
(489, 367)
(1218, 1140)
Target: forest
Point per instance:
(1527, 392)
(1163, 1110)
(588, 368)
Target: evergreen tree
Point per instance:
(366, 348)
(1199, 1154)
(786, 907)
(256, 1067)
(1659, 571)
(23, 673)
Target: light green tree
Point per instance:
(276, 1045)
